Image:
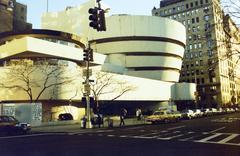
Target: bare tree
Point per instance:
(34, 78)
(107, 83)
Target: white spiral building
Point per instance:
(142, 46)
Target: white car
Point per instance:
(187, 114)
(198, 113)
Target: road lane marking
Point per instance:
(30, 135)
(111, 135)
(172, 137)
(210, 137)
(216, 130)
(228, 138)
(211, 142)
(178, 127)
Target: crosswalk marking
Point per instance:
(217, 130)
(210, 137)
(178, 135)
(228, 138)
(178, 127)
(172, 137)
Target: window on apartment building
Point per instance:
(174, 9)
(203, 81)
(190, 46)
(165, 12)
(184, 22)
(192, 65)
(188, 13)
(201, 62)
(197, 19)
(196, 55)
(196, 3)
(178, 8)
(199, 36)
(186, 56)
(206, 1)
(183, 14)
(187, 66)
(206, 17)
(183, 73)
(197, 72)
(209, 43)
(197, 62)
(195, 45)
(200, 53)
(198, 28)
(191, 55)
(188, 21)
(193, 72)
(199, 45)
(210, 53)
(194, 29)
(193, 20)
(198, 81)
(187, 6)
(170, 10)
(191, 4)
(201, 2)
(183, 7)
(189, 37)
(202, 72)
(188, 73)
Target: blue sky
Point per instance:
(134, 7)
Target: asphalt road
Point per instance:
(217, 135)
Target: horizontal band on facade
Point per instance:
(42, 33)
(137, 38)
(153, 68)
(164, 54)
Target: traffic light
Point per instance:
(93, 17)
(88, 54)
(102, 22)
(97, 19)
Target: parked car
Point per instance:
(187, 114)
(197, 113)
(10, 125)
(164, 116)
(207, 112)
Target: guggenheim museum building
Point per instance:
(136, 63)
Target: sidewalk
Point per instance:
(70, 127)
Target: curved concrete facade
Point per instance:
(146, 46)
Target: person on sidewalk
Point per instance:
(123, 114)
(139, 114)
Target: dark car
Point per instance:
(10, 125)
(65, 116)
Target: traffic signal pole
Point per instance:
(88, 56)
(96, 21)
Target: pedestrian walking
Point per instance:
(123, 114)
(139, 114)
